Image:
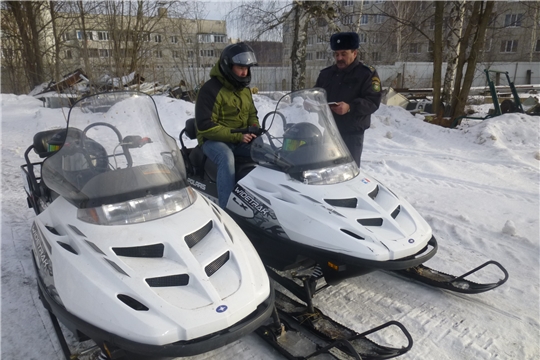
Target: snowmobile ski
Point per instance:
(459, 284)
(304, 334)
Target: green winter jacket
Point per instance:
(220, 107)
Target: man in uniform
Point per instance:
(354, 87)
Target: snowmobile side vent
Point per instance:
(374, 193)
(77, 231)
(217, 214)
(215, 265)
(310, 198)
(350, 233)
(289, 188)
(95, 247)
(170, 280)
(116, 267)
(131, 302)
(347, 203)
(67, 247)
(371, 222)
(194, 238)
(396, 211)
(52, 230)
(147, 251)
(228, 233)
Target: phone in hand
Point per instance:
(333, 103)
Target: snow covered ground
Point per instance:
(477, 186)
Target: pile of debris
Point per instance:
(76, 84)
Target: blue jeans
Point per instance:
(222, 154)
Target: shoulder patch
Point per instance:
(371, 68)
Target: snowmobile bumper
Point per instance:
(124, 347)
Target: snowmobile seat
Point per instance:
(42, 142)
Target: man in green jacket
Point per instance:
(223, 103)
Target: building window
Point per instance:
(364, 20)
(175, 54)
(513, 20)
(376, 56)
(219, 38)
(190, 54)
(68, 54)
(430, 46)
(347, 20)
(509, 46)
(207, 53)
(174, 39)
(157, 38)
(321, 22)
(310, 40)
(379, 18)
(103, 35)
(309, 56)
(415, 48)
(376, 38)
(363, 38)
(158, 54)
(89, 35)
(431, 23)
(93, 53)
(321, 39)
(487, 45)
(320, 55)
(145, 37)
(205, 38)
(537, 47)
(104, 53)
(347, 3)
(66, 36)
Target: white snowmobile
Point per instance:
(126, 252)
(302, 201)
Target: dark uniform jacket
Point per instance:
(221, 107)
(359, 86)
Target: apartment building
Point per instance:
(159, 48)
(400, 31)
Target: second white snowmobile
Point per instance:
(301, 196)
(126, 252)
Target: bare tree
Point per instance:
(26, 15)
(262, 18)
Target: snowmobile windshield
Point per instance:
(302, 140)
(116, 162)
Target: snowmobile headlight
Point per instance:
(331, 175)
(139, 210)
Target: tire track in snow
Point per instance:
(385, 172)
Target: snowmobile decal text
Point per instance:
(41, 252)
(251, 201)
(197, 184)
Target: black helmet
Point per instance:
(300, 134)
(237, 54)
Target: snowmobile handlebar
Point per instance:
(253, 129)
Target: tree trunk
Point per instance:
(456, 25)
(25, 14)
(86, 60)
(437, 57)
(477, 46)
(298, 51)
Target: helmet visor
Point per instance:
(292, 144)
(245, 59)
